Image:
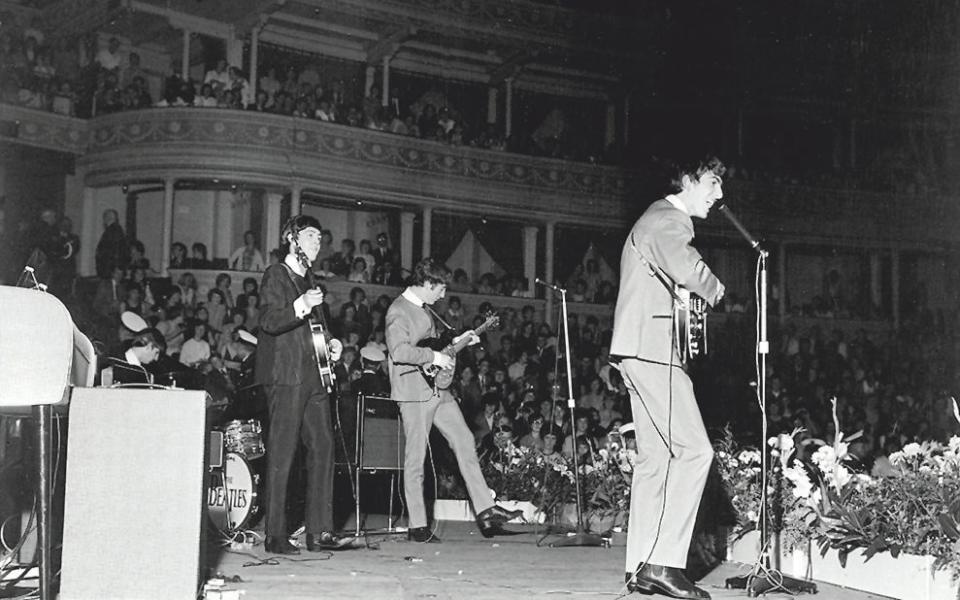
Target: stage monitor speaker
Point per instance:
(382, 443)
(133, 515)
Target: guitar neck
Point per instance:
(454, 348)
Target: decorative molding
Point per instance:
(348, 164)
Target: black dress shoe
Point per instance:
(278, 545)
(327, 540)
(424, 535)
(498, 513)
(669, 581)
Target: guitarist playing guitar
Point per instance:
(297, 390)
(423, 404)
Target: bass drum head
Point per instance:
(232, 494)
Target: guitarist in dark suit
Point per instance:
(409, 321)
(298, 401)
(671, 439)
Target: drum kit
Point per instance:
(233, 493)
(233, 488)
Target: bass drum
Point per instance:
(233, 494)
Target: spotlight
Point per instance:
(124, 188)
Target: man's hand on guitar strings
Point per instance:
(444, 361)
(336, 349)
(474, 338)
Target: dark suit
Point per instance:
(661, 394)
(299, 406)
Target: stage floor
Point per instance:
(465, 565)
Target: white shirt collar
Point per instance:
(409, 295)
(131, 357)
(675, 201)
(292, 262)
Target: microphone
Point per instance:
(725, 210)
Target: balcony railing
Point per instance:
(348, 163)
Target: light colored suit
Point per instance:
(422, 408)
(665, 410)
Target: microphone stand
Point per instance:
(581, 537)
(763, 579)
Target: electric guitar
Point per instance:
(442, 378)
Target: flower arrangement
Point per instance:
(914, 508)
(517, 473)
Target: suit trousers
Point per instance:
(665, 494)
(418, 418)
(299, 413)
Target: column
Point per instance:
(273, 220)
(852, 157)
(491, 105)
(167, 225)
(530, 255)
(234, 50)
(427, 246)
(295, 203)
(185, 59)
(895, 287)
(406, 240)
(225, 238)
(626, 119)
(385, 82)
(876, 291)
(508, 109)
(610, 131)
(254, 58)
(89, 226)
(782, 280)
(368, 82)
(548, 268)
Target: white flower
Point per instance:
(896, 458)
(814, 500)
(748, 457)
(954, 444)
(752, 516)
(840, 477)
(912, 449)
(802, 486)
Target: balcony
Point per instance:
(340, 163)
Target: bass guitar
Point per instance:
(442, 378)
(318, 330)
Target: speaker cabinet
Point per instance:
(381, 444)
(133, 513)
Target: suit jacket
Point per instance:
(285, 349)
(407, 324)
(663, 235)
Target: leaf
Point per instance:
(949, 526)
(842, 557)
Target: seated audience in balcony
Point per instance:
(240, 86)
(326, 245)
(460, 282)
(223, 283)
(187, 285)
(196, 349)
(366, 253)
(343, 260)
(324, 270)
(325, 112)
(64, 101)
(261, 103)
(358, 272)
(270, 85)
(216, 309)
(248, 256)
(207, 97)
(219, 77)
(198, 257)
(139, 277)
